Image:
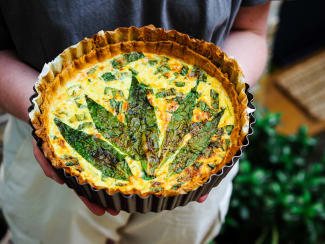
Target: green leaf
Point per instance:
(108, 76)
(141, 123)
(116, 105)
(179, 84)
(96, 151)
(153, 62)
(184, 70)
(201, 137)
(134, 56)
(215, 98)
(229, 129)
(163, 69)
(117, 64)
(178, 126)
(109, 126)
(166, 93)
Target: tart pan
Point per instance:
(134, 202)
(152, 203)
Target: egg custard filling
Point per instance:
(141, 122)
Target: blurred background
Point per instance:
(279, 194)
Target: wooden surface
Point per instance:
(293, 116)
(305, 83)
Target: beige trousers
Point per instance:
(39, 210)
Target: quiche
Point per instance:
(138, 115)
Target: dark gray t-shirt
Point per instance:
(40, 29)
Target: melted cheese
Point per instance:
(70, 107)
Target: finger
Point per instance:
(112, 212)
(99, 211)
(48, 170)
(202, 198)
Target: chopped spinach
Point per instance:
(215, 98)
(199, 74)
(134, 56)
(179, 84)
(229, 129)
(117, 64)
(91, 70)
(184, 70)
(227, 144)
(166, 93)
(153, 62)
(108, 76)
(116, 105)
(113, 91)
(163, 69)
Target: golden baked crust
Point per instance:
(105, 45)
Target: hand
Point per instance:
(49, 172)
(202, 198)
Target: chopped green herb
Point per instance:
(163, 69)
(116, 64)
(211, 166)
(116, 105)
(199, 74)
(91, 70)
(113, 91)
(215, 98)
(227, 144)
(153, 62)
(108, 76)
(203, 106)
(134, 56)
(166, 93)
(89, 80)
(229, 129)
(70, 163)
(179, 84)
(206, 108)
(184, 70)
